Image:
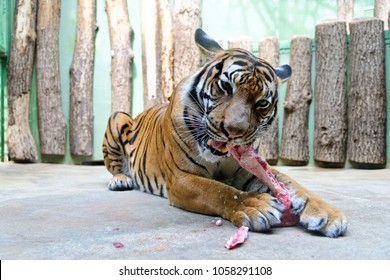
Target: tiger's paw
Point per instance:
(120, 182)
(258, 212)
(318, 216)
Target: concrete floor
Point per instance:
(50, 211)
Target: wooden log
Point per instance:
(269, 50)
(295, 146)
(367, 95)
(165, 32)
(186, 20)
(330, 103)
(21, 145)
(51, 120)
(150, 54)
(345, 11)
(243, 43)
(121, 55)
(81, 80)
(381, 11)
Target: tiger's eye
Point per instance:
(262, 104)
(226, 86)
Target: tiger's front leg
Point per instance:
(314, 213)
(258, 211)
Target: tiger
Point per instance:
(178, 150)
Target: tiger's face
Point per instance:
(232, 98)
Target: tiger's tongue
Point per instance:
(218, 145)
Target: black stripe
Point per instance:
(188, 156)
(133, 138)
(150, 188)
(247, 183)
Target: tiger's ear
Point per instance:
(207, 45)
(283, 72)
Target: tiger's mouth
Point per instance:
(217, 147)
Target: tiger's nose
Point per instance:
(232, 132)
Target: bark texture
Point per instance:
(21, 145)
(150, 54)
(51, 120)
(367, 95)
(186, 21)
(345, 11)
(381, 11)
(121, 55)
(243, 43)
(330, 107)
(81, 81)
(269, 50)
(165, 31)
(295, 147)
(157, 52)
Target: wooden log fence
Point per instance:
(187, 19)
(356, 135)
(367, 95)
(21, 144)
(295, 141)
(121, 55)
(269, 50)
(81, 81)
(51, 120)
(330, 104)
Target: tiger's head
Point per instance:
(232, 98)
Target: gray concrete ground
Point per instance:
(50, 211)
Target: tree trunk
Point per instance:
(330, 107)
(269, 50)
(381, 11)
(51, 120)
(186, 21)
(295, 147)
(21, 145)
(81, 80)
(121, 55)
(166, 39)
(367, 95)
(150, 54)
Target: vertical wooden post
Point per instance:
(165, 29)
(150, 54)
(157, 52)
(51, 120)
(367, 95)
(295, 146)
(121, 55)
(269, 50)
(330, 107)
(381, 11)
(186, 21)
(345, 11)
(81, 80)
(21, 145)
(243, 43)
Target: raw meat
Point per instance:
(238, 238)
(118, 244)
(252, 162)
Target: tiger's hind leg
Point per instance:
(115, 155)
